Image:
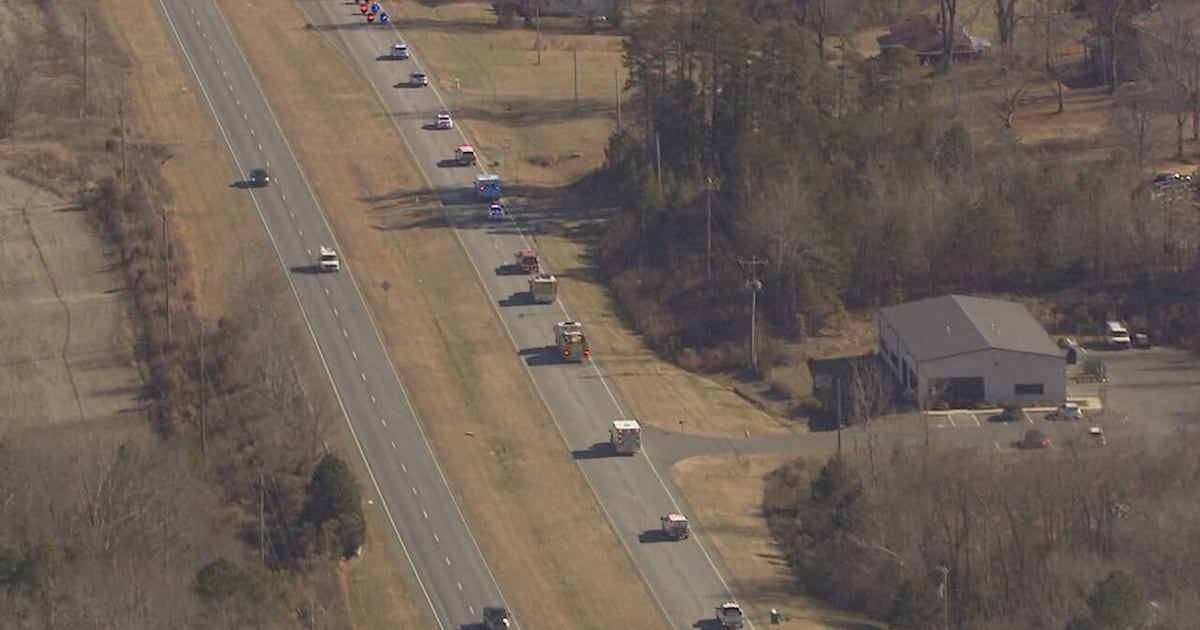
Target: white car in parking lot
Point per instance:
(1067, 411)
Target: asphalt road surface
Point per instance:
(683, 576)
(453, 576)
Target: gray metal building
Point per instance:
(963, 350)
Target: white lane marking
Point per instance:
(447, 560)
(251, 131)
(307, 322)
(404, 468)
(364, 376)
(203, 34)
(260, 147)
(310, 254)
(459, 584)
(436, 538)
(472, 609)
(354, 354)
(951, 419)
(383, 422)
(290, 213)
(378, 336)
(414, 490)
(393, 446)
(237, 102)
(244, 116)
(976, 419)
(301, 233)
(345, 334)
(425, 514)
(335, 311)
(372, 400)
(284, 197)
(326, 289)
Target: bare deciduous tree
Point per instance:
(14, 74)
(1113, 20)
(948, 21)
(1006, 22)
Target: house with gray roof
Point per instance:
(961, 350)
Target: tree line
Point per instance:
(862, 181)
(1080, 538)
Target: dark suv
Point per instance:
(259, 177)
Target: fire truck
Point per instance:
(526, 260)
(571, 342)
(625, 437)
(464, 155)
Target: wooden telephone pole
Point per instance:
(83, 110)
(753, 285)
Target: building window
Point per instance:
(1029, 389)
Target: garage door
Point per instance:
(957, 392)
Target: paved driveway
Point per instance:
(1156, 389)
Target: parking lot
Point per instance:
(1149, 392)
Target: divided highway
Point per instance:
(634, 492)
(451, 573)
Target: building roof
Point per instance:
(951, 325)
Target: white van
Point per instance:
(1116, 335)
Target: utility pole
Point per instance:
(753, 285)
(203, 392)
(838, 382)
(83, 111)
(124, 162)
(617, 91)
(708, 227)
(658, 164)
(262, 523)
(945, 592)
(575, 62)
(166, 270)
(537, 23)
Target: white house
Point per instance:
(964, 350)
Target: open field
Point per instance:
(65, 345)
(726, 492)
(66, 358)
(519, 112)
(527, 501)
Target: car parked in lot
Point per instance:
(1010, 413)
(1066, 411)
(1034, 440)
